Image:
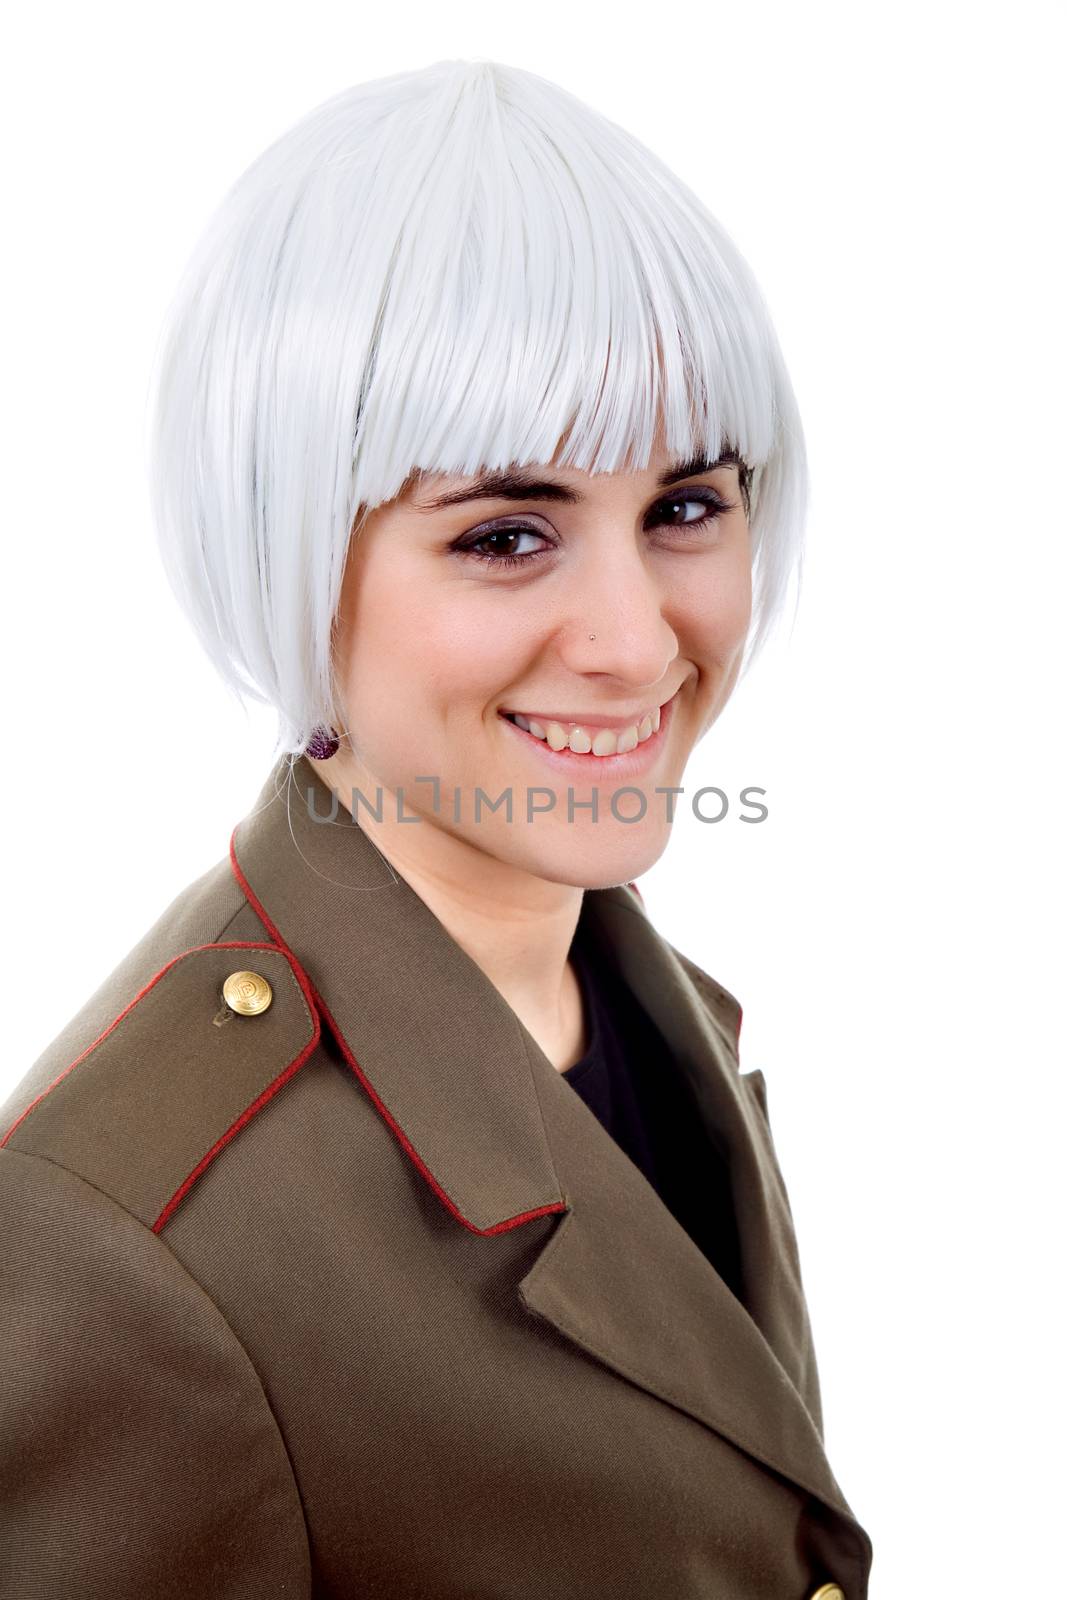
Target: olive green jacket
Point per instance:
(352, 1295)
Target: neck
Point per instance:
(516, 926)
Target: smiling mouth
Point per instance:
(596, 741)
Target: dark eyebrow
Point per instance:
(523, 484)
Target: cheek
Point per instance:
(414, 646)
(719, 610)
(377, 633)
(737, 606)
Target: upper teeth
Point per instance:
(604, 742)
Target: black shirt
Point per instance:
(629, 1082)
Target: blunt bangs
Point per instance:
(443, 271)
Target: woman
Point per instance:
(396, 1220)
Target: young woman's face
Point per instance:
(453, 616)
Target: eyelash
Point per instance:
(717, 507)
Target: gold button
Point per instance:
(247, 993)
(828, 1591)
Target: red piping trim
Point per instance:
(342, 1042)
(636, 891)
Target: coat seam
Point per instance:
(188, 1276)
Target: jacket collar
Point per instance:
(503, 1139)
(446, 1064)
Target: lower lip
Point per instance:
(631, 764)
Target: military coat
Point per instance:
(319, 1281)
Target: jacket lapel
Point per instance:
(623, 1279)
(501, 1137)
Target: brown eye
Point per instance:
(497, 537)
(499, 542)
(714, 507)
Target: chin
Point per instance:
(585, 863)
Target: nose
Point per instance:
(621, 602)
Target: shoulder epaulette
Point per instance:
(146, 1106)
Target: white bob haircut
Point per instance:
(448, 270)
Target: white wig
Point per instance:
(447, 270)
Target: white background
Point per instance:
(894, 930)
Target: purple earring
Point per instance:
(322, 744)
